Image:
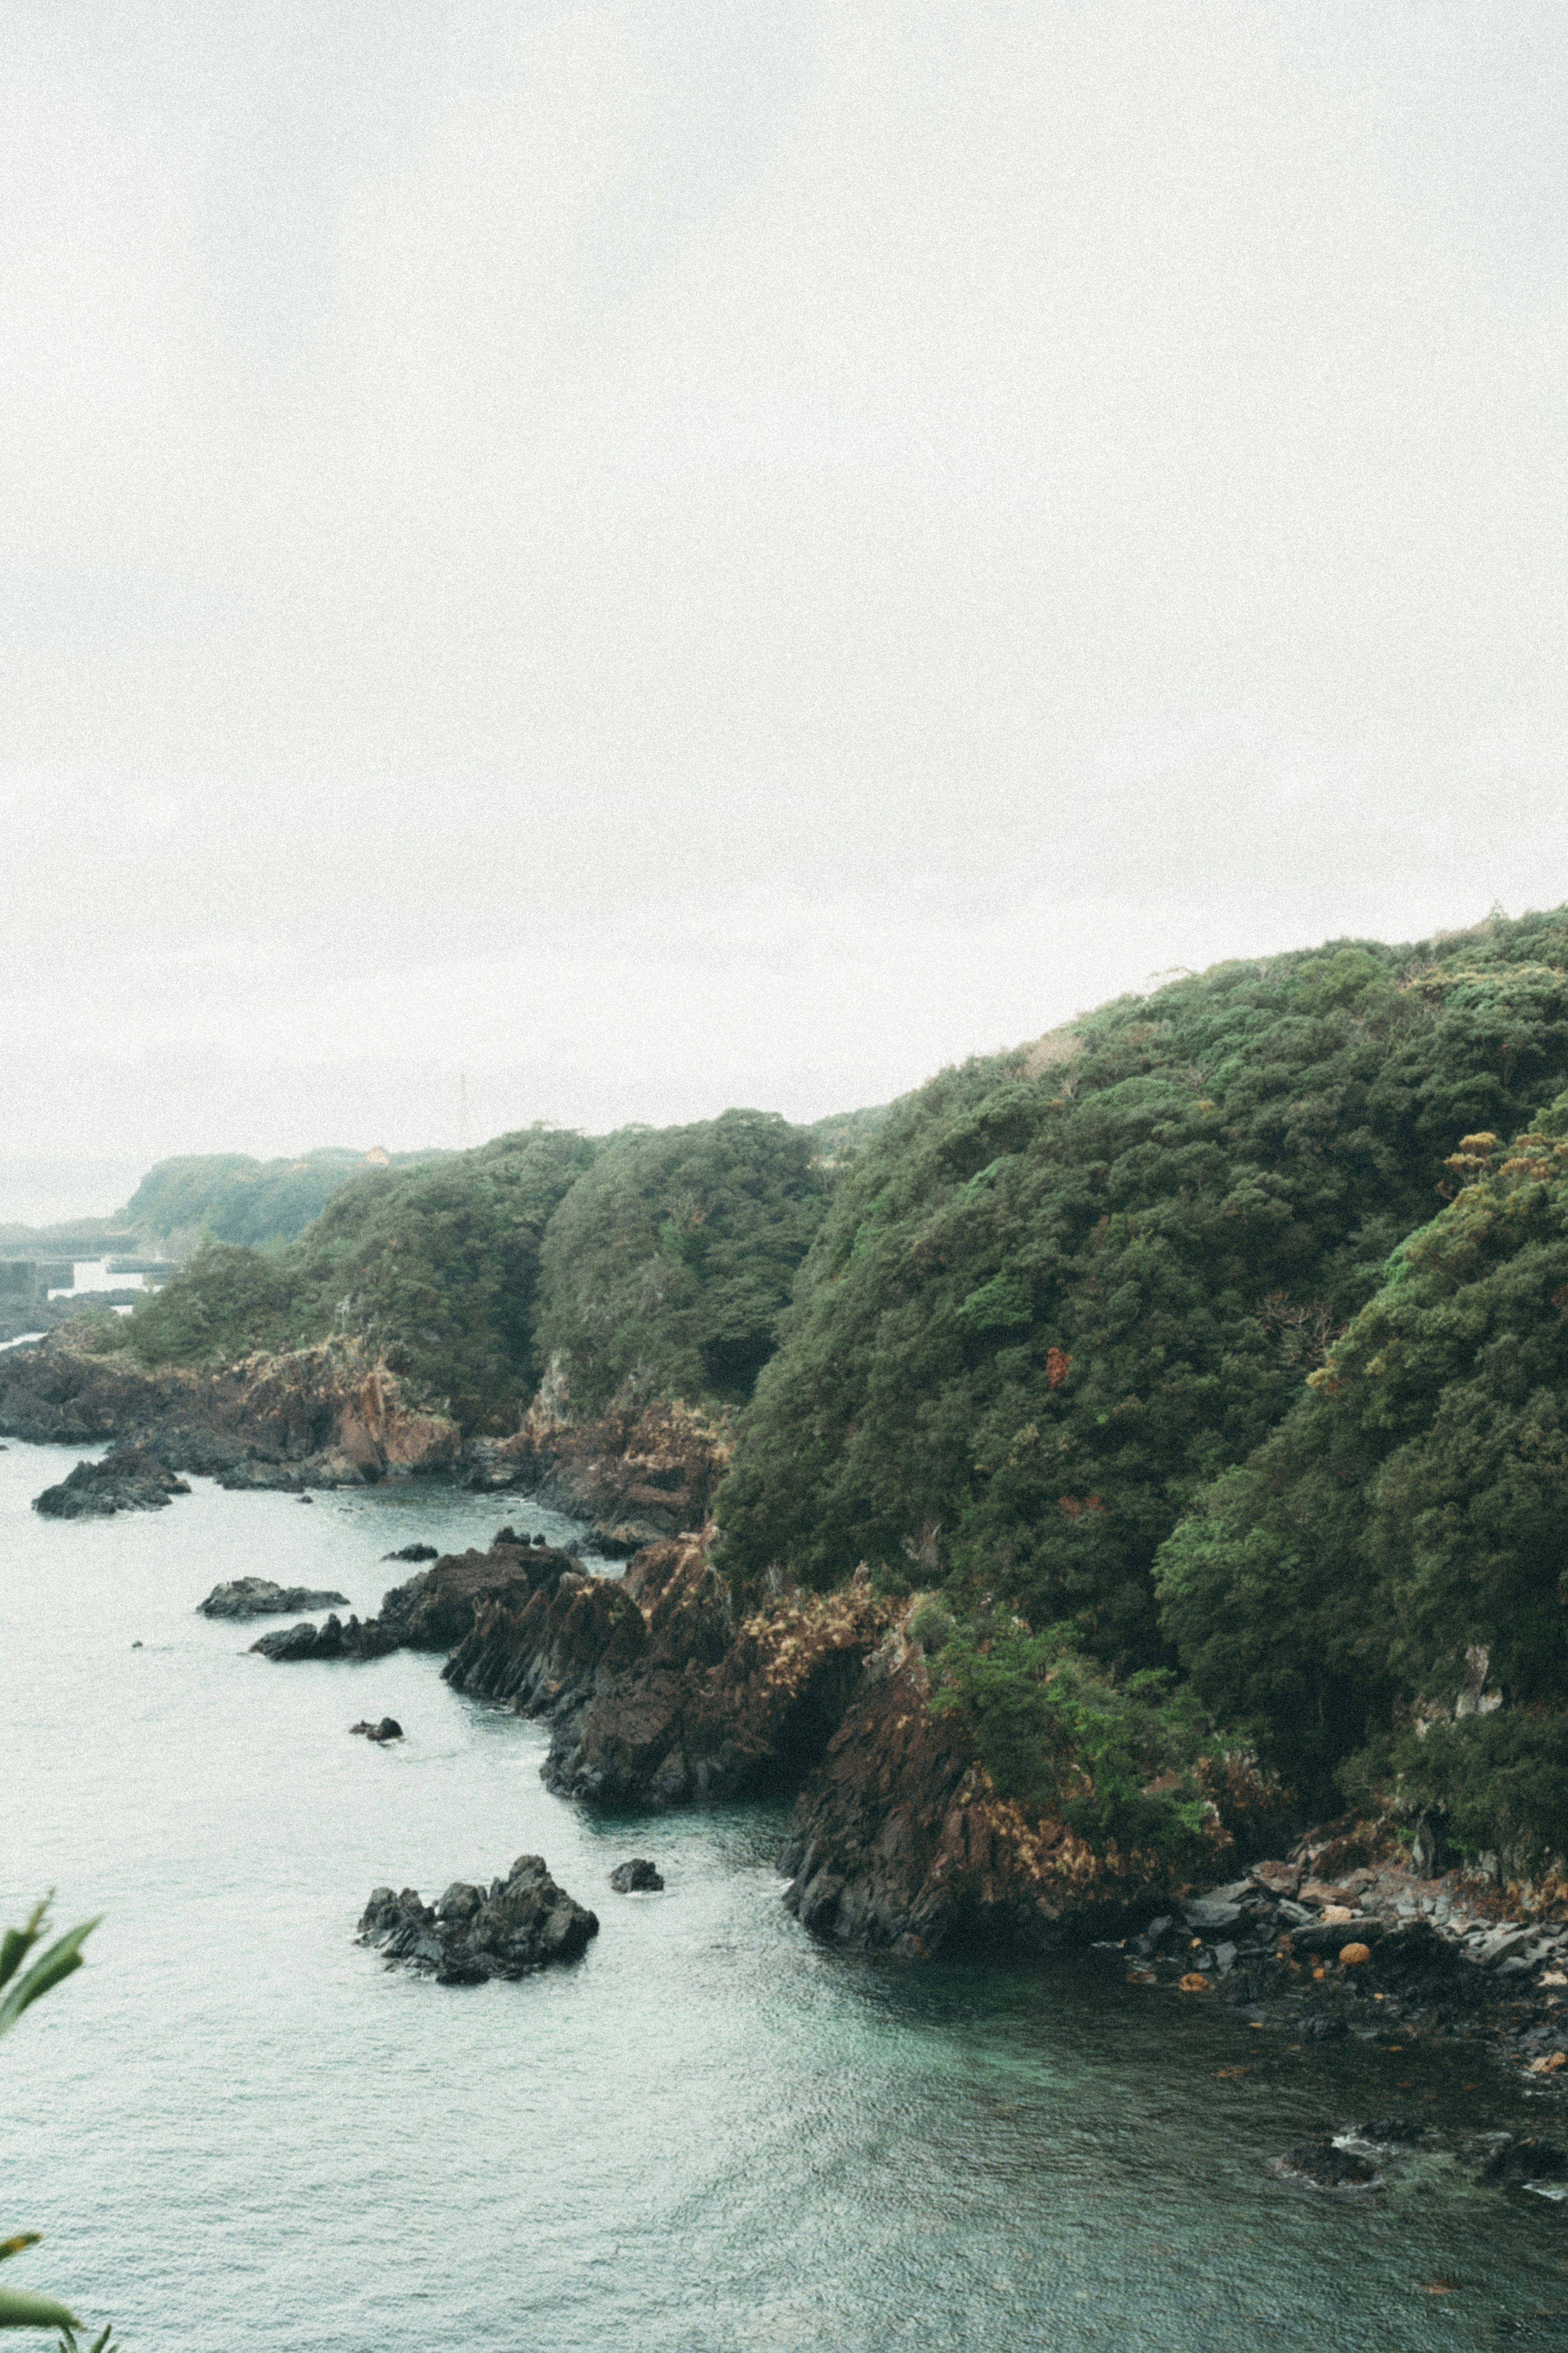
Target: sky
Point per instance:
(629, 557)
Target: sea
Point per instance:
(240, 2132)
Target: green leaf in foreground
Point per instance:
(20, 2310)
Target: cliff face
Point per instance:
(899, 1840)
(656, 1693)
(638, 1474)
(328, 1415)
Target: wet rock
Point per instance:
(257, 1597)
(1207, 1912)
(414, 1552)
(303, 1641)
(128, 1479)
(1524, 2157)
(1323, 2165)
(636, 1878)
(519, 1925)
(387, 1730)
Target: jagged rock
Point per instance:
(430, 1611)
(414, 1552)
(387, 1730)
(305, 1641)
(128, 1479)
(657, 1695)
(636, 1878)
(522, 1923)
(257, 1597)
(331, 1414)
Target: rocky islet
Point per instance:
(518, 1924)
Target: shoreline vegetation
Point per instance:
(1074, 1482)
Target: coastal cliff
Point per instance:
(334, 1414)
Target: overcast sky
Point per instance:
(672, 552)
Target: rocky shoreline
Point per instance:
(1346, 1936)
(660, 1688)
(336, 1415)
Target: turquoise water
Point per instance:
(238, 2130)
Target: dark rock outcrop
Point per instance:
(332, 1641)
(657, 1695)
(414, 1552)
(330, 1415)
(257, 1597)
(434, 1609)
(520, 1923)
(387, 1730)
(128, 1479)
(637, 1877)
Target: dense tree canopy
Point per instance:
(439, 1266)
(1061, 1290)
(227, 1197)
(1396, 1549)
(670, 1263)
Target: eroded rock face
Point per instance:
(257, 1597)
(639, 1476)
(430, 1611)
(128, 1479)
(328, 1415)
(519, 1925)
(657, 1695)
(899, 1841)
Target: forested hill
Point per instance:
(1062, 1291)
(1208, 1355)
(227, 1196)
(653, 1261)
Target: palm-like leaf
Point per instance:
(63, 1957)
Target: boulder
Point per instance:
(519, 1925)
(636, 1878)
(257, 1597)
(412, 1552)
(387, 1730)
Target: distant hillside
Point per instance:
(227, 1196)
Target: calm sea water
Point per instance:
(238, 2130)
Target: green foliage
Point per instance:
(1059, 1293)
(230, 1198)
(667, 1267)
(438, 1266)
(19, 1990)
(222, 1304)
(1500, 1781)
(1062, 1737)
(1401, 1534)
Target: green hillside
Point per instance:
(1062, 1290)
(227, 1196)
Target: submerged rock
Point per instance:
(257, 1597)
(520, 1923)
(636, 1878)
(412, 1552)
(128, 1479)
(387, 1730)
(1325, 2165)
